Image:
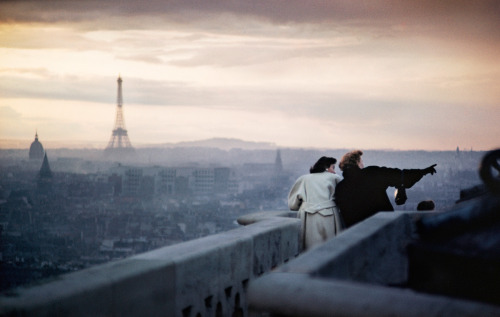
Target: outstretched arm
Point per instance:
(412, 176)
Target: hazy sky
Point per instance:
(337, 74)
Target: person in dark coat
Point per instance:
(362, 192)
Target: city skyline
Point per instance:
(314, 74)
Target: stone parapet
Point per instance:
(203, 277)
(360, 272)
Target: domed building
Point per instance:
(36, 149)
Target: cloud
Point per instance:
(42, 37)
(252, 25)
(321, 104)
(37, 72)
(223, 34)
(347, 67)
(58, 87)
(8, 113)
(10, 120)
(473, 17)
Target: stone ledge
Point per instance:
(296, 294)
(259, 216)
(349, 276)
(198, 277)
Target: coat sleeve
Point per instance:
(383, 176)
(296, 195)
(394, 176)
(412, 176)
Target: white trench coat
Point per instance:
(312, 196)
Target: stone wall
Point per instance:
(203, 277)
(360, 272)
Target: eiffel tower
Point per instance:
(119, 144)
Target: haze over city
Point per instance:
(326, 74)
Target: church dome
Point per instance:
(36, 149)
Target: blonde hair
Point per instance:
(350, 159)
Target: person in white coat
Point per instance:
(312, 196)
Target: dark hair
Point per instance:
(322, 164)
(350, 159)
(426, 205)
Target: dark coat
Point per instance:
(362, 192)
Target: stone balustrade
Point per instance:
(203, 277)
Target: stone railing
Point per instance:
(360, 272)
(203, 277)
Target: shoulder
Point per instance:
(331, 178)
(381, 174)
(327, 175)
(337, 177)
(303, 178)
(372, 168)
(378, 169)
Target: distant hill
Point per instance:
(218, 143)
(223, 144)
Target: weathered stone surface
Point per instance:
(296, 294)
(205, 277)
(352, 274)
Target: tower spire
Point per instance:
(44, 179)
(45, 171)
(278, 164)
(119, 142)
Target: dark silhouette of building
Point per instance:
(119, 145)
(44, 179)
(280, 180)
(278, 164)
(36, 149)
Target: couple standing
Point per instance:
(328, 203)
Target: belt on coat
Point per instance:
(325, 208)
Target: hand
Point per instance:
(430, 170)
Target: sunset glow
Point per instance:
(336, 74)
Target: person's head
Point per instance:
(351, 159)
(323, 164)
(426, 205)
